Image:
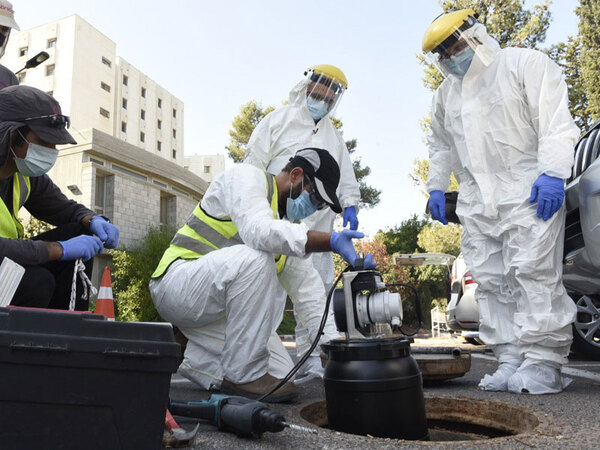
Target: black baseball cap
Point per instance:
(323, 171)
(29, 106)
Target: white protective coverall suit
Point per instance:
(498, 128)
(229, 302)
(274, 141)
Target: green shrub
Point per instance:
(288, 324)
(131, 275)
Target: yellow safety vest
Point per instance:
(203, 234)
(10, 227)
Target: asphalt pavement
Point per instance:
(566, 420)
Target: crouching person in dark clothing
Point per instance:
(31, 125)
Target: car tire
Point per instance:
(586, 329)
(473, 341)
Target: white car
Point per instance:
(462, 313)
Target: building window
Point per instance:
(142, 137)
(124, 127)
(100, 195)
(168, 208)
(159, 124)
(206, 169)
(159, 102)
(49, 70)
(21, 77)
(105, 86)
(51, 43)
(104, 113)
(124, 103)
(174, 113)
(143, 114)
(174, 154)
(158, 146)
(174, 133)
(125, 80)
(144, 92)
(106, 62)
(23, 51)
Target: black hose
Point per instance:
(304, 357)
(418, 308)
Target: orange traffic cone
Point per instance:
(105, 304)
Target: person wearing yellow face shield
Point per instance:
(501, 123)
(305, 122)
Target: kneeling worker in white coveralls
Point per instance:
(221, 281)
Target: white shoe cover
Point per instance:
(498, 381)
(310, 370)
(538, 377)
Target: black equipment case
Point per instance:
(75, 380)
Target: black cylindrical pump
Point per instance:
(374, 387)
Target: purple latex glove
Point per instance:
(106, 231)
(437, 206)
(341, 243)
(350, 217)
(549, 193)
(84, 247)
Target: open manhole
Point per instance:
(457, 418)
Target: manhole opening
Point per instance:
(456, 419)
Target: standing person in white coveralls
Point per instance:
(306, 122)
(223, 279)
(501, 123)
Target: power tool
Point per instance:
(239, 415)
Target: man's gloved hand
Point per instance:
(350, 217)
(341, 243)
(106, 231)
(437, 206)
(368, 262)
(84, 247)
(550, 194)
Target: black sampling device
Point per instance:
(373, 386)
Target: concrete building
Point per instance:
(135, 189)
(205, 166)
(129, 160)
(97, 88)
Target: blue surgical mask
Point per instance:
(37, 162)
(299, 208)
(316, 108)
(459, 64)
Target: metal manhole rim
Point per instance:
(543, 429)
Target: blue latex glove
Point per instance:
(350, 217)
(550, 194)
(369, 263)
(437, 206)
(106, 231)
(84, 247)
(341, 243)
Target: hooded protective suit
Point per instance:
(288, 129)
(274, 141)
(498, 128)
(229, 302)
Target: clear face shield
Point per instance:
(455, 54)
(323, 95)
(4, 35)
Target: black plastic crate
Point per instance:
(73, 380)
